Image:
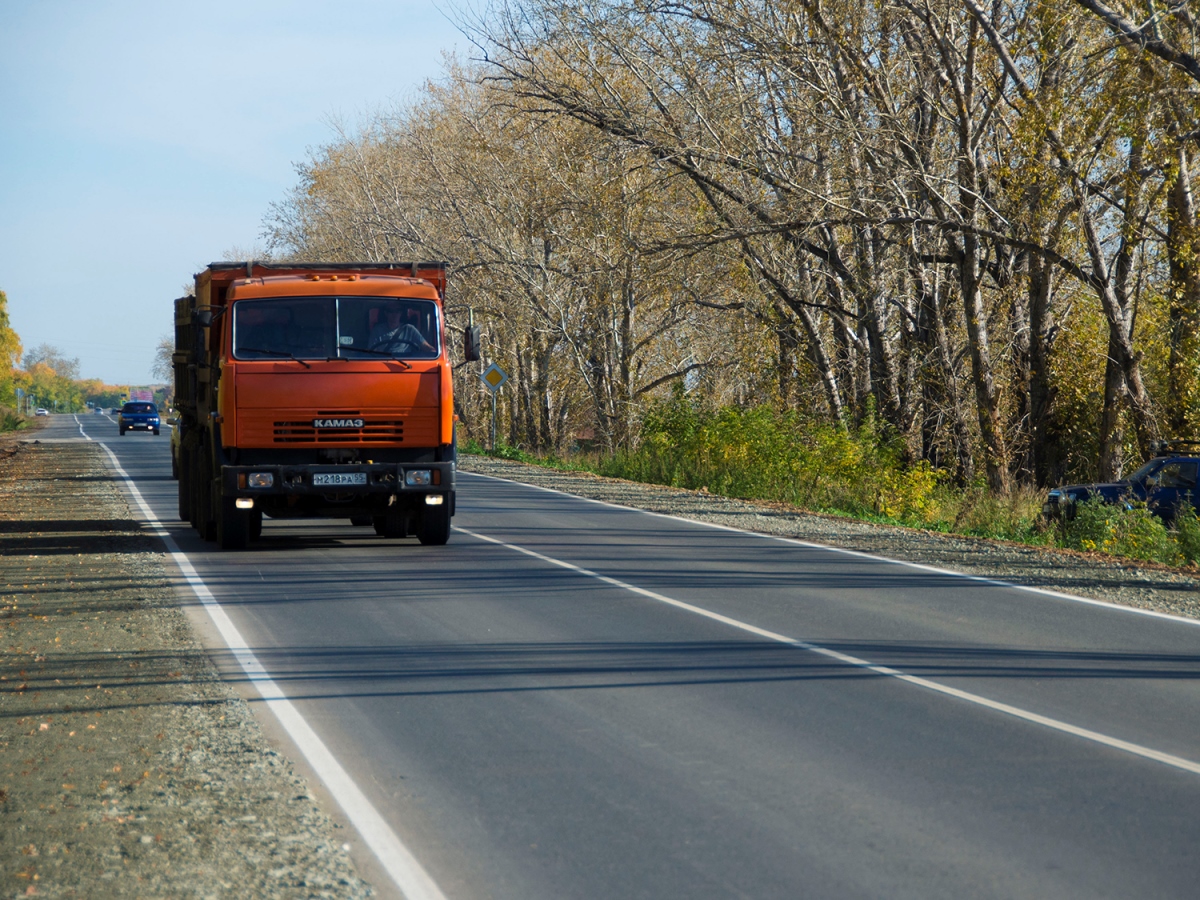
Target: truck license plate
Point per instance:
(323, 478)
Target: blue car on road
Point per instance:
(138, 415)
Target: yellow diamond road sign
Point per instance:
(494, 376)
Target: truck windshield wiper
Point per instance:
(386, 353)
(274, 353)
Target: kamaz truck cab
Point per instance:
(315, 390)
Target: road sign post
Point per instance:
(493, 376)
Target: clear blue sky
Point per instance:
(142, 139)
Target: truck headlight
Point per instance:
(418, 477)
(260, 480)
(434, 499)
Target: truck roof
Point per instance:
(315, 284)
(223, 273)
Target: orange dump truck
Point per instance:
(315, 390)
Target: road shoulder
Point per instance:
(127, 767)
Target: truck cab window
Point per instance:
(268, 329)
(374, 326)
(325, 327)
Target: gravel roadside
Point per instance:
(127, 768)
(1142, 585)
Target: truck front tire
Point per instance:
(434, 525)
(205, 497)
(184, 467)
(233, 525)
(391, 526)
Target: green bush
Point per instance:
(1187, 535)
(1015, 516)
(1130, 530)
(765, 454)
(11, 420)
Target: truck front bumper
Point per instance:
(412, 479)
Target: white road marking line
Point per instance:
(1065, 727)
(411, 879)
(981, 579)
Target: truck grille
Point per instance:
(385, 431)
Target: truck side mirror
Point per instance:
(203, 318)
(471, 343)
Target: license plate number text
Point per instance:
(326, 478)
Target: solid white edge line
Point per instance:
(1177, 762)
(981, 579)
(408, 875)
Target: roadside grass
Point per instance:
(581, 462)
(764, 454)
(11, 420)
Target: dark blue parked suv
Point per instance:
(138, 414)
(1164, 484)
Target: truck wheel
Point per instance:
(256, 518)
(204, 505)
(208, 517)
(233, 525)
(434, 527)
(184, 474)
(392, 526)
(194, 480)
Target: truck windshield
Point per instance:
(335, 328)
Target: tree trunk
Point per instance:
(987, 400)
(1022, 381)
(1183, 251)
(1045, 449)
(884, 376)
(1120, 346)
(1112, 437)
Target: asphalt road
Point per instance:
(531, 730)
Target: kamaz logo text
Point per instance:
(337, 423)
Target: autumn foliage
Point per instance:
(970, 231)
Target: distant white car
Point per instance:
(42, 412)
